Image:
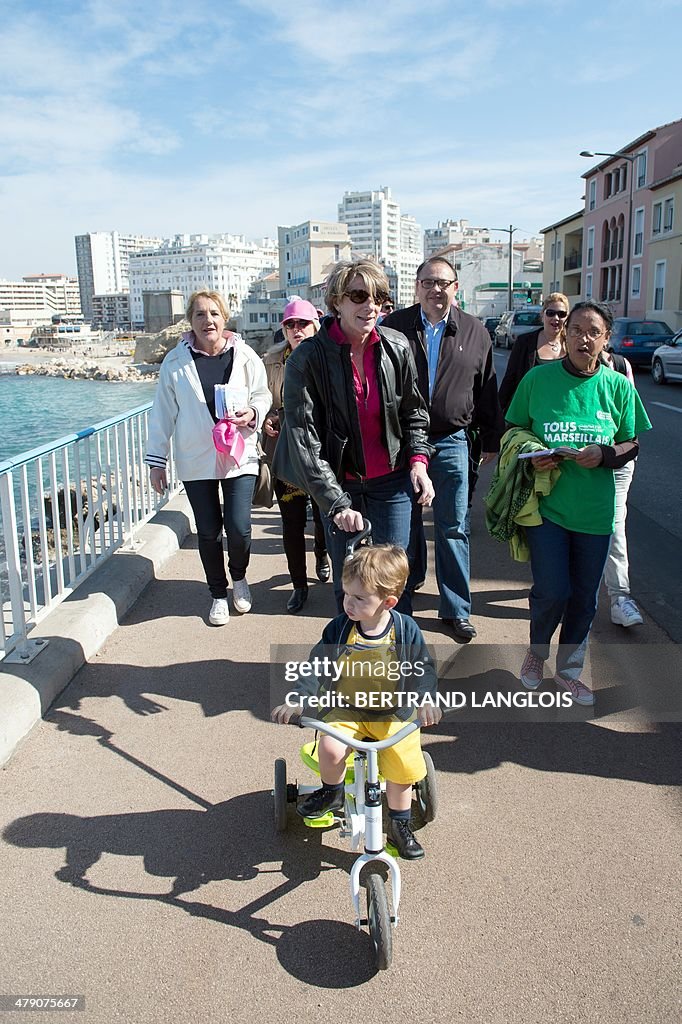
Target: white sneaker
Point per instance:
(220, 612)
(241, 597)
(624, 612)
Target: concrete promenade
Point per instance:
(139, 866)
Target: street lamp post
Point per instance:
(510, 231)
(631, 160)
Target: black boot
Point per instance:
(322, 800)
(399, 832)
(297, 600)
(323, 569)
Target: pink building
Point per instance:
(623, 217)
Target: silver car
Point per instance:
(516, 322)
(666, 362)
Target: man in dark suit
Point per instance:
(456, 374)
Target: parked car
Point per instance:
(490, 323)
(515, 322)
(666, 363)
(637, 339)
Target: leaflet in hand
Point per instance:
(229, 399)
(562, 452)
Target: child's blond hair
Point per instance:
(381, 570)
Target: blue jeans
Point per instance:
(449, 471)
(416, 552)
(234, 517)
(386, 502)
(567, 568)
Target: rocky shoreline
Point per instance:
(83, 369)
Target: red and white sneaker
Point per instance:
(532, 671)
(580, 693)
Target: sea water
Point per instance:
(37, 410)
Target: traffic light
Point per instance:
(529, 295)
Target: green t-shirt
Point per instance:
(562, 409)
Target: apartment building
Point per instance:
(38, 297)
(562, 271)
(410, 256)
(664, 292)
(373, 219)
(307, 251)
(224, 263)
(631, 229)
(111, 311)
(452, 232)
(377, 228)
(102, 263)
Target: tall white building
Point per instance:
(373, 220)
(306, 252)
(377, 228)
(453, 232)
(410, 256)
(224, 263)
(102, 261)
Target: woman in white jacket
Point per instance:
(184, 408)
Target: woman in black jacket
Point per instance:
(355, 425)
(536, 347)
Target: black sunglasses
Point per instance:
(359, 295)
(560, 313)
(290, 324)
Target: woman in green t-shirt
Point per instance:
(576, 403)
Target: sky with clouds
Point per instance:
(160, 116)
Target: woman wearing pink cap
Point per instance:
(299, 321)
(209, 466)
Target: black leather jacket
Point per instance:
(321, 423)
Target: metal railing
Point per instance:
(65, 508)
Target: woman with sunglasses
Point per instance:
(355, 425)
(299, 321)
(537, 347)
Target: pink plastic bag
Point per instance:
(227, 439)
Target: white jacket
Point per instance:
(180, 411)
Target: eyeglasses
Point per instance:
(560, 313)
(359, 295)
(430, 282)
(291, 324)
(593, 333)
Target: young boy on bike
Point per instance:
(384, 677)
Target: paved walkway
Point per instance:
(139, 865)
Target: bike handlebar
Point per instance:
(303, 722)
(357, 538)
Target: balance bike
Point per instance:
(361, 820)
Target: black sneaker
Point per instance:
(399, 832)
(322, 800)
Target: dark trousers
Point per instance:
(567, 569)
(234, 517)
(293, 508)
(386, 501)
